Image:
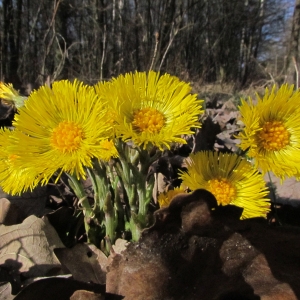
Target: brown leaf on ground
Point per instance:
(263, 282)
(5, 291)
(165, 171)
(28, 247)
(67, 224)
(137, 275)
(56, 288)
(120, 245)
(10, 214)
(160, 184)
(226, 139)
(86, 295)
(232, 263)
(224, 117)
(30, 203)
(85, 262)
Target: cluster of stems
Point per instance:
(122, 193)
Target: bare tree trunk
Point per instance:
(48, 40)
(137, 35)
(293, 55)
(119, 58)
(11, 42)
(205, 39)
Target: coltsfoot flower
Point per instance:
(108, 150)
(15, 179)
(11, 96)
(61, 128)
(149, 108)
(165, 198)
(271, 132)
(231, 179)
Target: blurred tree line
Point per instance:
(240, 41)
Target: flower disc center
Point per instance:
(148, 120)
(107, 145)
(108, 150)
(67, 136)
(274, 136)
(11, 159)
(223, 190)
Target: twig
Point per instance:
(155, 50)
(103, 53)
(297, 72)
(173, 33)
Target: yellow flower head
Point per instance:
(13, 178)
(61, 128)
(108, 150)
(151, 109)
(231, 179)
(165, 198)
(10, 96)
(271, 132)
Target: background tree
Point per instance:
(215, 40)
(293, 51)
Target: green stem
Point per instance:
(100, 183)
(132, 167)
(135, 230)
(110, 219)
(124, 172)
(104, 184)
(145, 196)
(79, 191)
(120, 210)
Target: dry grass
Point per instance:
(225, 91)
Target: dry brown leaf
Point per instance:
(5, 291)
(28, 247)
(229, 106)
(225, 139)
(10, 214)
(159, 185)
(120, 245)
(4, 209)
(223, 117)
(56, 288)
(86, 295)
(67, 224)
(30, 203)
(83, 261)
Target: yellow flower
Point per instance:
(151, 109)
(13, 178)
(10, 96)
(231, 179)
(61, 128)
(108, 150)
(271, 132)
(165, 198)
